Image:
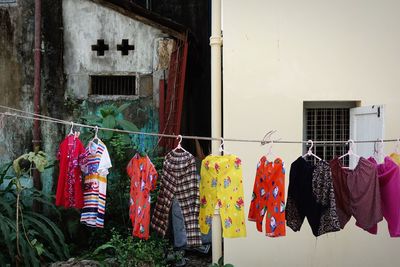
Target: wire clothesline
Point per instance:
(34, 116)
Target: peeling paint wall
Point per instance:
(16, 76)
(84, 23)
(69, 28)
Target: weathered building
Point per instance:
(93, 53)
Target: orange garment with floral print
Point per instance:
(143, 180)
(268, 197)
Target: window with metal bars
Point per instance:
(111, 85)
(327, 122)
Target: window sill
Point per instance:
(101, 98)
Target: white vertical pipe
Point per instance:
(216, 112)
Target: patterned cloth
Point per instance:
(268, 197)
(69, 187)
(357, 193)
(311, 195)
(95, 167)
(221, 184)
(179, 179)
(322, 186)
(143, 180)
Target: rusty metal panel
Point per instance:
(175, 91)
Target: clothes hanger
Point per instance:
(222, 147)
(95, 138)
(179, 144)
(309, 152)
(71, 131)
(350, 152)
(267, 140)
(397, 147)
(378, 150)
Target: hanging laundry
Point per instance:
(96, 164)
(324, 194)
(311, 195)
(357, 193)
(268, 198)
(69, 187)
(143, 177)
(221, 184)
(389, 184)
(179, 179)
(395, 157)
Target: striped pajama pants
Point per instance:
(179, 180)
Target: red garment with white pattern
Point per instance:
(143, 180)
(69, 188)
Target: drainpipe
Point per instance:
(36, 105)
(216, 112)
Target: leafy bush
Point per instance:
(221, 263)
(132, 251)
(110, 116)
(28, 237)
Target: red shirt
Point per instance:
(69, 188)
(143, 180)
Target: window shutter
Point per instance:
(366, 123)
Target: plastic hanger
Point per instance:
(179, 144)
(309, 152)
(267, 140)
(397, 147)
(350, 152)
(222, 147)
(95, 138)
(378, 150)
(270, 153)
(71, 131)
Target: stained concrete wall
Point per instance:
(17, 68)
(16, 76)
(84, 23)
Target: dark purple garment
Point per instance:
(342, 194)
(357, 193)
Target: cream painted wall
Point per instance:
(280, 53)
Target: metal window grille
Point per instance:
(328, 124)
(113, 85)
(7, 1)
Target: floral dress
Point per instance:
(143, 180)
(221, 186)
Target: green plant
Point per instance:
(28, 237)
(221, 263)
(133, 251)
(110, 116)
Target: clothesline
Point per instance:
(34, 116)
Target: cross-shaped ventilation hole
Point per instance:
(100, 47)
(124, 47)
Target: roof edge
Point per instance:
(141, 14)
